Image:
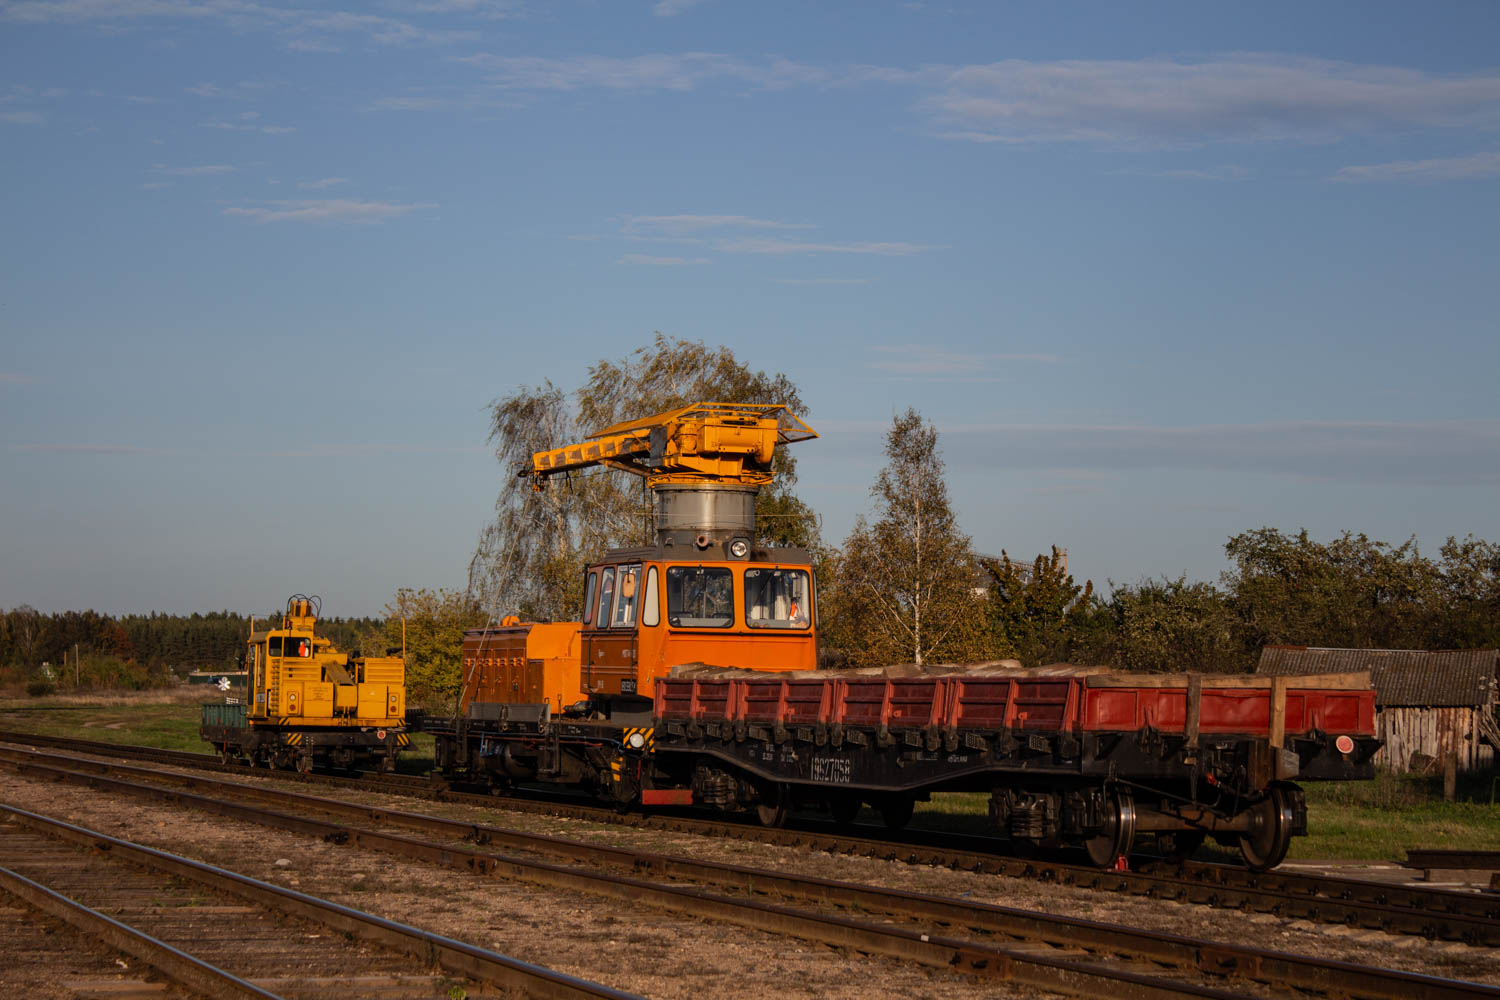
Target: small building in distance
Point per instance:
(1427, 703)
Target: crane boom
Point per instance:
(728, 443)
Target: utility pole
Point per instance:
(75, 664)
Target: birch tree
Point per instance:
(906, 586)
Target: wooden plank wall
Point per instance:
(1431, 732)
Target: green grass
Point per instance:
(1382, 819)
(143, 719)
(417, 758)
(159, 719)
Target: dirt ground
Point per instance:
(643, 950)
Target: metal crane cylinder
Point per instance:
(704, 514)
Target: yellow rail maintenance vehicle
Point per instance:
(308, 704)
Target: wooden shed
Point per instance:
(1427, 703)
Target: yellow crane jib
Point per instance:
(704, 442)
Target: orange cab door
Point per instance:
(609, 647)
(610, 661)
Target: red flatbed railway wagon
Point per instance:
(1082, 758)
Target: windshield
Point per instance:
(700, 597)
(777, 598)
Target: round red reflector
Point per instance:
(380, 735)
(1345, 744)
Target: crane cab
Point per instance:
(648, 610)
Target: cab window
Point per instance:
(700, 597)
(606, 596)
(290, 646)
(651, 603)
(777, 598)
(627, 595)
(588, 595)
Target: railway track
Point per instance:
(221, 934)
(1019, 945)
(1432, 913)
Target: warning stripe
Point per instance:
(647, 732)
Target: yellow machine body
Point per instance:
(297, 676)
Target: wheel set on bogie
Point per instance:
(1105, 822)
(304, 759)
(1261, 831)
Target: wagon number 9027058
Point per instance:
(833, 770)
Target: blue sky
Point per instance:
(1159, 273)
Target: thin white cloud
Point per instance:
(321, 183)
(491, 9)
(646, 73)
(313, 45)
(682, 225)
(16, 378)
(250, 127)
(641, 258)
(300, 28)
(90, 449)
(311, 25)
(204, 170)
(244, 90)
(1242, 97)
(922, 361)
(412, 104)
(1224, 173)
(338, 210)
(821, 281)
(1453, 168)
(21, 117)
(671, 8)
(768, 245)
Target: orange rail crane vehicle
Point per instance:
(572, 702)
(309, 704)
(1070, 756)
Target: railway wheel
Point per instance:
(1265, 846)
(896, 811)
(771, 810)
(1118, 832)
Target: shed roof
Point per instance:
(1405, 677)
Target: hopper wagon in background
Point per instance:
(307, 704)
